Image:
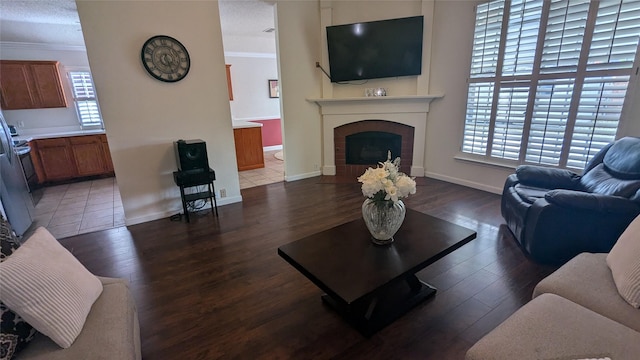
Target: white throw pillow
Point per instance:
(48, 287)
(624, 262)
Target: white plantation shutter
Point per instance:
(486, 39)
(615, 36)
(509, 123)
(478, 120)
(486, 43)
(85, 99)
(522, 35)
(549, 121)
(599, 111)
(560, 75)
(564, 35)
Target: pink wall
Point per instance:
(271, 132)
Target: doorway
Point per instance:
(248, 37)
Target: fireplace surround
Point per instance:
(372, 138)
(371, 147)
(410, 111)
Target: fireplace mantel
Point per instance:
(408, 110)
(375, 104)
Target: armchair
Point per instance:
(556, 214)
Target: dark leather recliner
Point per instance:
(556, 214)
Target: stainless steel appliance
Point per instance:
(14, 194)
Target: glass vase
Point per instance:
(383, 219)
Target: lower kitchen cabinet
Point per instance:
(88, 155)
(249, 152)
(107, 154)
(72, 157)
(53, 159)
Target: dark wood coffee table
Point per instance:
(368, 284)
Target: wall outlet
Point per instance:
(316, 167)
(20, 124)
(223, 193)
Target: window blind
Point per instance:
(522, 35)
(551, 88)
(549, 121)
(85, 99)
(478, 120)
(486, 39)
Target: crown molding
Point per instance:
(249, 54)
(41, 46)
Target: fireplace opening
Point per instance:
(371, 147)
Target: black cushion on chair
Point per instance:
(623, 159)
(579, 200)
(547, 178)
(601, 181)
(530, 194)
(15, 333)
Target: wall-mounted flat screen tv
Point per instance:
(375, 49)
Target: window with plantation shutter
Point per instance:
(509, 122)
(548, 79)
(85, 99)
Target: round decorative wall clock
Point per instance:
(165, 58)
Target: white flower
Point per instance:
(386, 183)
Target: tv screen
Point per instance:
(375, 49)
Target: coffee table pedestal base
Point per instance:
(368, 315)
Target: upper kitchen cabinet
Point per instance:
(30, 85)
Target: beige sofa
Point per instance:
(576, 313)
(111, 330)
(587, 309)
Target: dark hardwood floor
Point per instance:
(216, 288)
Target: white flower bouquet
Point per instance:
(386, 184)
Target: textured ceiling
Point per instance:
(57, 22)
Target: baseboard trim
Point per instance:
(166, 214)
(463, 182)
(302, 176)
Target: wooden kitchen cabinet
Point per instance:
(249, 152)
(54, 159)
(229, 82)
(72, 157)
(30, 85)
(107, 154)
(88, 155)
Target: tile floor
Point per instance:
(78, 208)
(273, 171)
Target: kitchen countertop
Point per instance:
(245, 124)
(57, 134)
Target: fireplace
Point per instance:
(363, 144)
(371, 147)
(401, 115)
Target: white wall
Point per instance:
(250, 44)
(347, 12)
(249, 79)
(47, 120)
(450, 63)
(144, 116)
(453, 25)
(298, 43)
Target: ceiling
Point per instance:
(56, 22)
